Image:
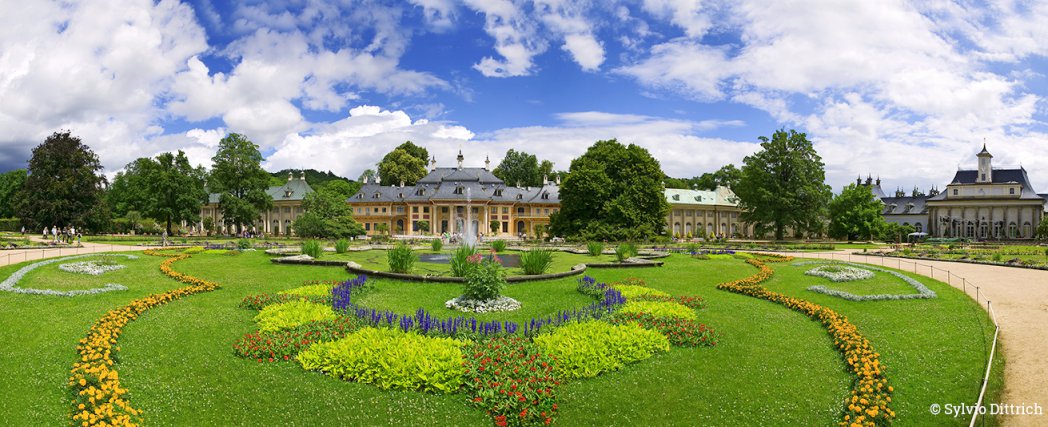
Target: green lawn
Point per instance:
(772, 366)
(376, 260)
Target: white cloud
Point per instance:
(585, 49)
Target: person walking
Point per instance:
(54, 233)
(23, 230)
(45, 233)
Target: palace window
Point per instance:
(376, 195)
(520, 211)
(676, 197)
(689, 213)
(498, 192)
(443, 209)
(460, 189)
(425, 209)
(954, 191)
(383, 210)
(520, 197)
(414, 209)
(494, 210)
(420, 192)
(1011, 191)
(545, 196)
(400, 209)
(505, 210)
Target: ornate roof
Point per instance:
(999, 176)
(295, 189)
(723, 196)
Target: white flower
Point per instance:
(922, 291)
(502, 303)
(89, 267)
(8, 284)
(840, 273)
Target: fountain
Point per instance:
(469, 232)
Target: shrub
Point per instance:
(997, 257)
(680, 332)
(341, 246)
(312, 248)
(595, 248)
(517, 365)
(244, 244)
(390, 359)
(633, 291)
(485, 279)
(436, 245)
(498, 245)
(401, 258)
(692, 248)
(587, 349)
(459, 260)
(293, 313)
(310, 290)
(625, 250)
(536, 260)
(663, 309)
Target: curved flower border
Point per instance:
(922, 291)
(94, 383)
(870, 400)
(91, 268)
(9, 284)
(846, 273)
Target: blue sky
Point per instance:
(904, 90)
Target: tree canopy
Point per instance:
(327, 214)
(176, 189)
(10, 185)
(405, 163)
(855, 214)
(237, 176)
(64, 185)
(783, 185)
(520, 168)
(612, 192)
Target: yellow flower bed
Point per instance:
(97, 396)
(869, 403)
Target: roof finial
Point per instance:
(460, 158)
(433, 163)
(487, 162)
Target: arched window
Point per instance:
(1013, 230)
(1027, 230)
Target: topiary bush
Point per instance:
(390, 359)
(595, 248)
(312, 248)
(290, 314)
(536, 261)
(341, 246)
(498, 245)
(587, 349)
(401, 258)
(662, 309)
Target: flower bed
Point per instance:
(869, 403)
(922, 291)
(680, 332)
(98, 398)
(285, 344)
(587, 349)
(9, 284)
(662, 309)
(511, 380)
(501, 303)
(840, 273)
(92, 268)
(292, 313)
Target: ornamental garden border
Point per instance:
(9, 284)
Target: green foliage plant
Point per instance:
(459, 260)
(341, 246)
(536, 260)
(587, 349)
(633, 291)
(436, 244)
(855, 215)
(244, 244)
(312, 248)
(290, 314)
(662, 309)
(322, 289)
(595, 248)
(401, 258)
(485, 279)
(390, 359)
(498, 245)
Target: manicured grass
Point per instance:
(880, 283)
(772, 366)
(376, 260)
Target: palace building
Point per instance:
(983, 203)
(457, 201)
(287, 207)
(700, 214)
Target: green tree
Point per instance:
(855, 214)
(237, 176)
(422, 226)
(494, 226)
(327, 214)
(518, 167)
(612, 192)
(10, 185)
(546, 170)
(366, 175)
(726, 176)
(405, 163)
(782, 185)
(64, 185)
(176, 189)
(129, 189)
(1042, 231)
(894, 232)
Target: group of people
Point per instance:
(61, 235)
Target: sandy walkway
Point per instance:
(1019, 297)
(15, 256)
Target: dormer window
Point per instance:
(545, 196)
(360, 196)
(698, 198)
(498, 192)
(520, 197)
(287, 193)
(376, 195)
(459, 189)
(401, 195)
(420, 192)
(676, 197)
(1011, 190)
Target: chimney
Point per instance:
(558, 179)
(289, 176)
(303, 176)
(487, 163)
(460, 159)
(545, 179)
(378, 179)
(433, 164)
(402, 183)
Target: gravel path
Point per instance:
(15, 256)
(1019, 297)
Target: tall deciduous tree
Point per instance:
(129, 190)
(238, 178)
(521, 168)
(327, 214)
(10, 185)
(64, 185)
(783, 185)
(612, 192)
(176, 189)
(405, 163)
(855, 214)
(727, 176)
